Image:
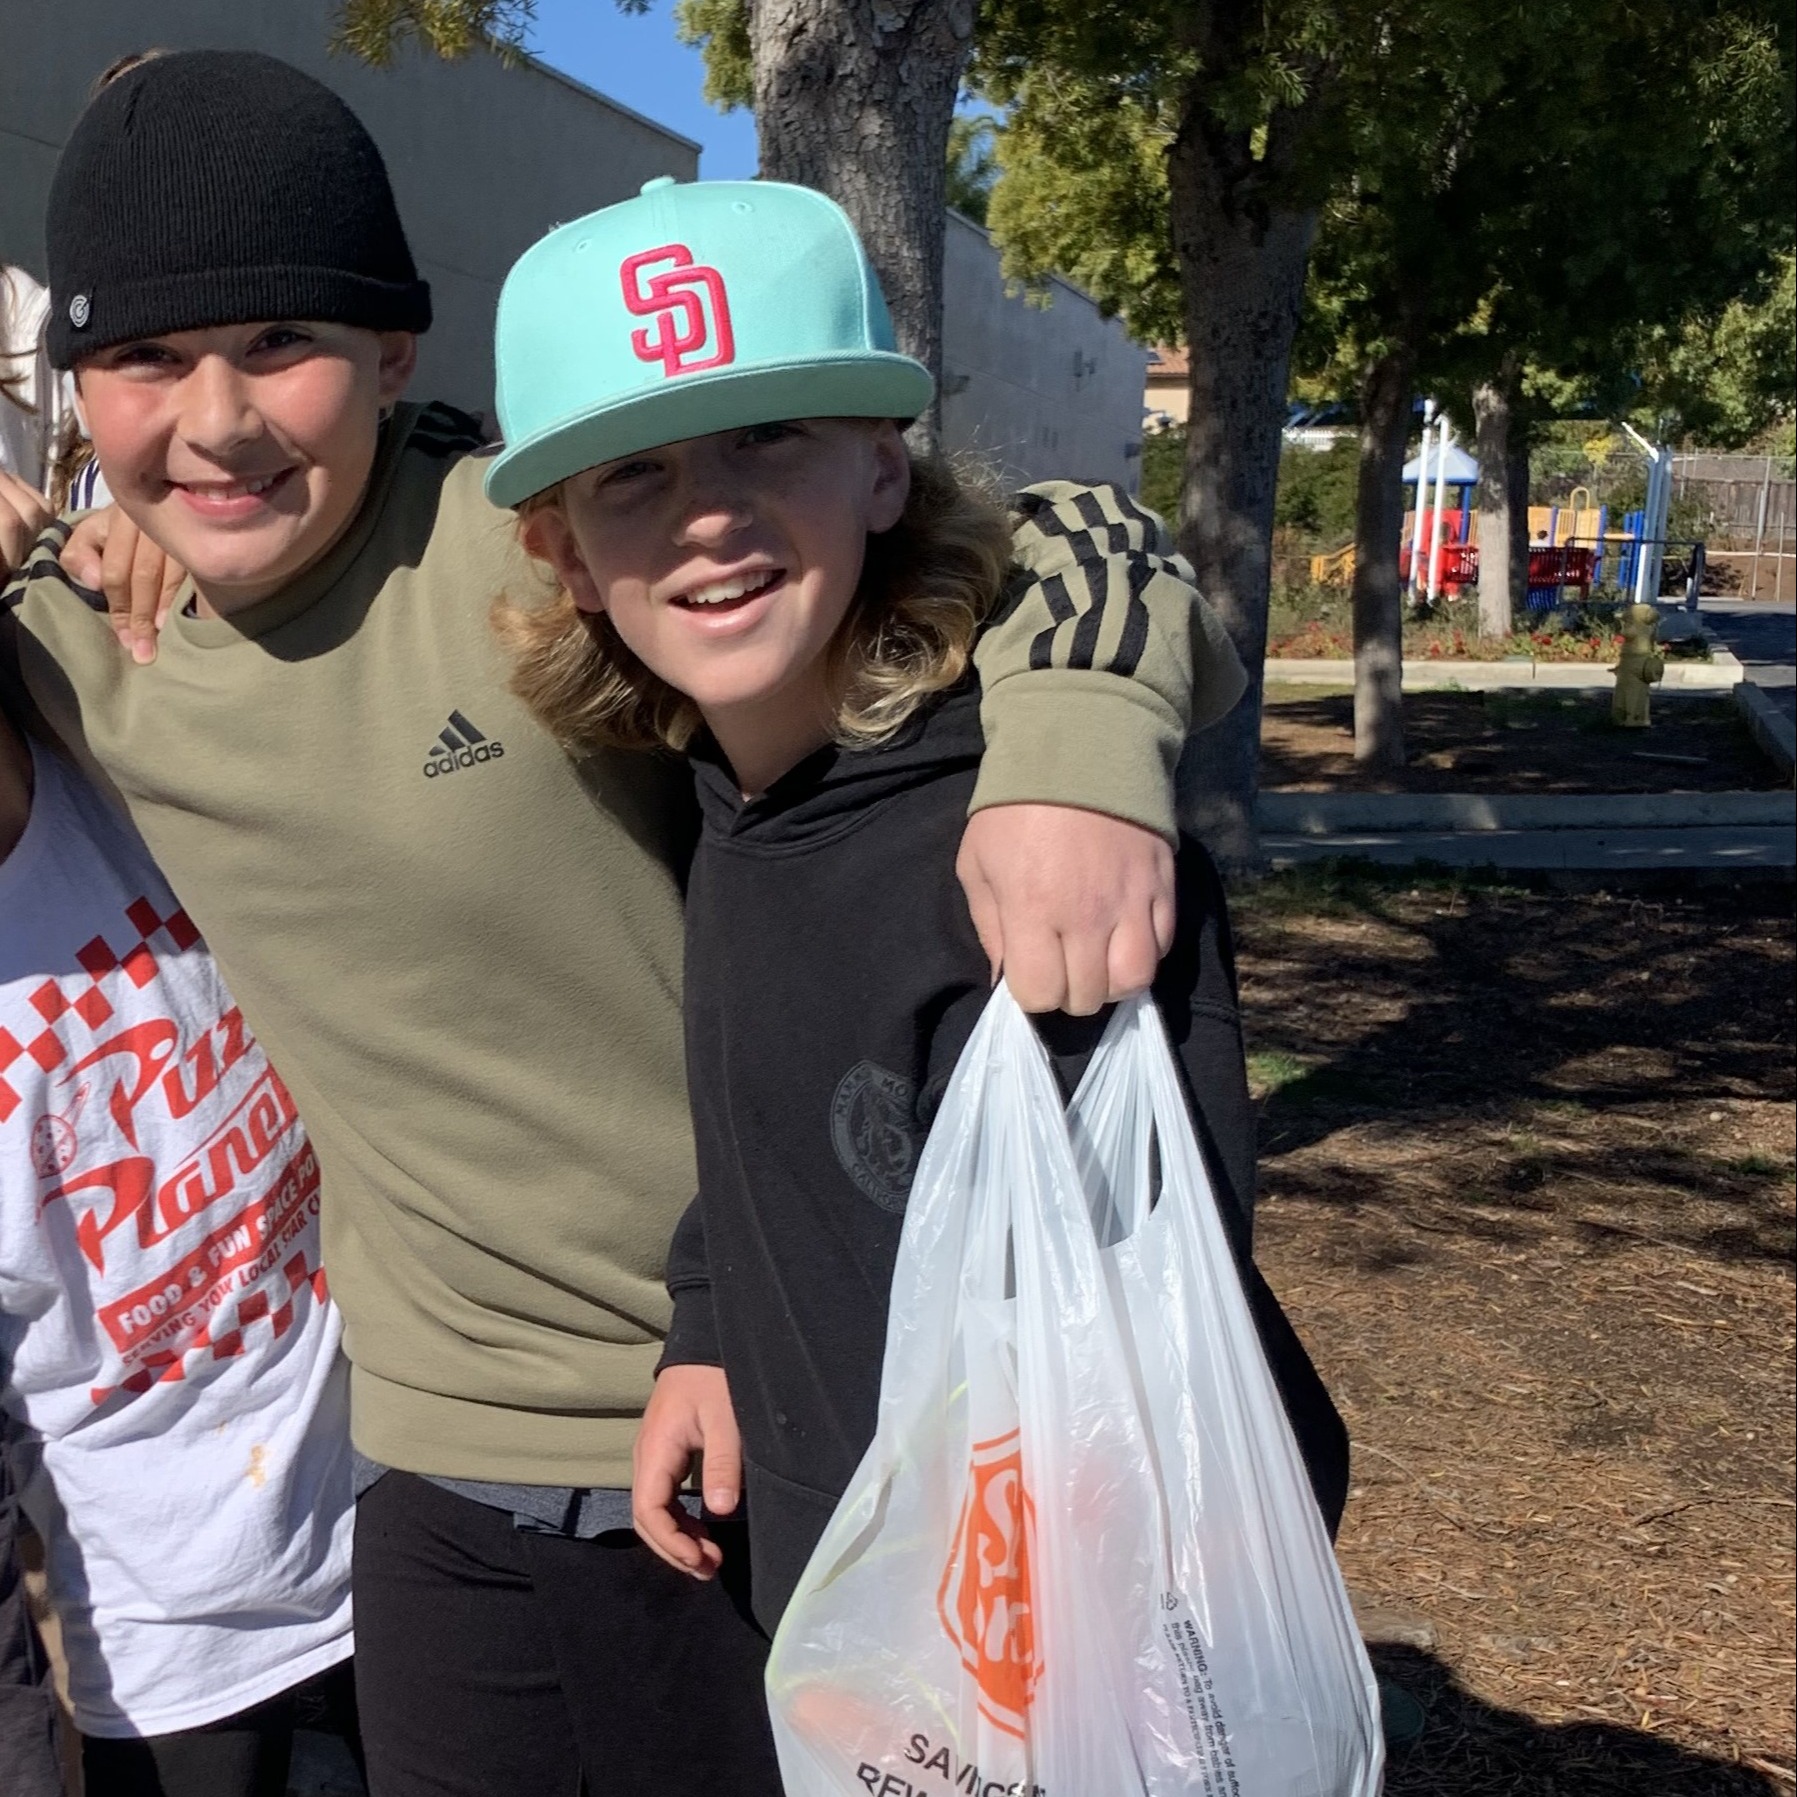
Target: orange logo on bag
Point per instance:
(985, 1601)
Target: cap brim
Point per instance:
(864, 384)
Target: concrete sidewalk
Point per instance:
(1747, 849)
(1382, 813)
(1623, 833)
(1721, 674)
(1762, 633)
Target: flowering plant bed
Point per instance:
(1433, 641)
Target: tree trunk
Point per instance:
(1502, 445)
(854, 97)
(1242, 261)
(1385, 404)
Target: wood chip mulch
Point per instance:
(1514, 742)
(1527, 1190)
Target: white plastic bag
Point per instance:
(1081, 1557)
(1259, 1635)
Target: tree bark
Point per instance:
(1501, 434)
(854, 97)
(1385, 405)
(1242, 261)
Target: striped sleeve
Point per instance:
(42, 563)
(1101, 662)
(41, 579)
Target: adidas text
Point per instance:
(459, 744)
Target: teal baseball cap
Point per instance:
(695, 307)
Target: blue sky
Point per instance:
(638, 60)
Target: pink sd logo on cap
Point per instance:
(689, 305)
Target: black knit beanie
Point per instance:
(215, 187)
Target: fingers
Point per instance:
(140, 584)
(723, 1450)
(662, 1522)
(117, 560)
(1164, 911)
(982, 904)
(23, 515)
(1035, 966)
(689, 1412)
(1132, 957)
(1143, 935)
(172, 576)
(154, 582)
(83, 555)
(1088, 962)
(1078, 906)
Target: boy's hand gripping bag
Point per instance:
(1081, 1557)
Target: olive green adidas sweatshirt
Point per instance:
(462, 949)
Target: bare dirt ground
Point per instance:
(1528, 1193)
(1513, 742)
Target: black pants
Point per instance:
(246, 1755)
(493, 1661)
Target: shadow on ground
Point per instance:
(1545, 741)
(1516, 1048)
(1469, 1748)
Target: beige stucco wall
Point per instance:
(484, 157)
(1051, 393)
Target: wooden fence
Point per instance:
(1750, 518)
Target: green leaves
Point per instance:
(720, 30)
(376, 30)
(1082, 192)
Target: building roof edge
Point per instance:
(592, 93)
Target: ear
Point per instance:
(891, 478)
(548, 536)
(399, 361)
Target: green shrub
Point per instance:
(1315, 499)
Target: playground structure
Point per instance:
(1572, 547)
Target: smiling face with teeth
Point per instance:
(727, 564)
(243, 450)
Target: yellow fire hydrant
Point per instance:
(1640, 665)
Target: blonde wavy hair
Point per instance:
(926, 588)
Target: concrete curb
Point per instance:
(1769, 727)
(1722, 673)
(1765, 852)
(1386, 813)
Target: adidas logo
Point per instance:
(459, 745)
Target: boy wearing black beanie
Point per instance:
(429, 913)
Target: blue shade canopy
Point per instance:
(1463, 471)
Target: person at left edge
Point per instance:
(173, 1398)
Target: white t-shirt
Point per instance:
(171, 1357)
(34, 399)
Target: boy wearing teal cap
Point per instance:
(755, 570)
(429, 913)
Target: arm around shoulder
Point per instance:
(1103, 659)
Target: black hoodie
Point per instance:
(832, 979)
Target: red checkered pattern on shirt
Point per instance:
(85, 999)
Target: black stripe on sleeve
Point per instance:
(1084, 646)
(1135, 621)
(42, 563)
(1131, 508)
(1061, 608)
(1091, 513)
